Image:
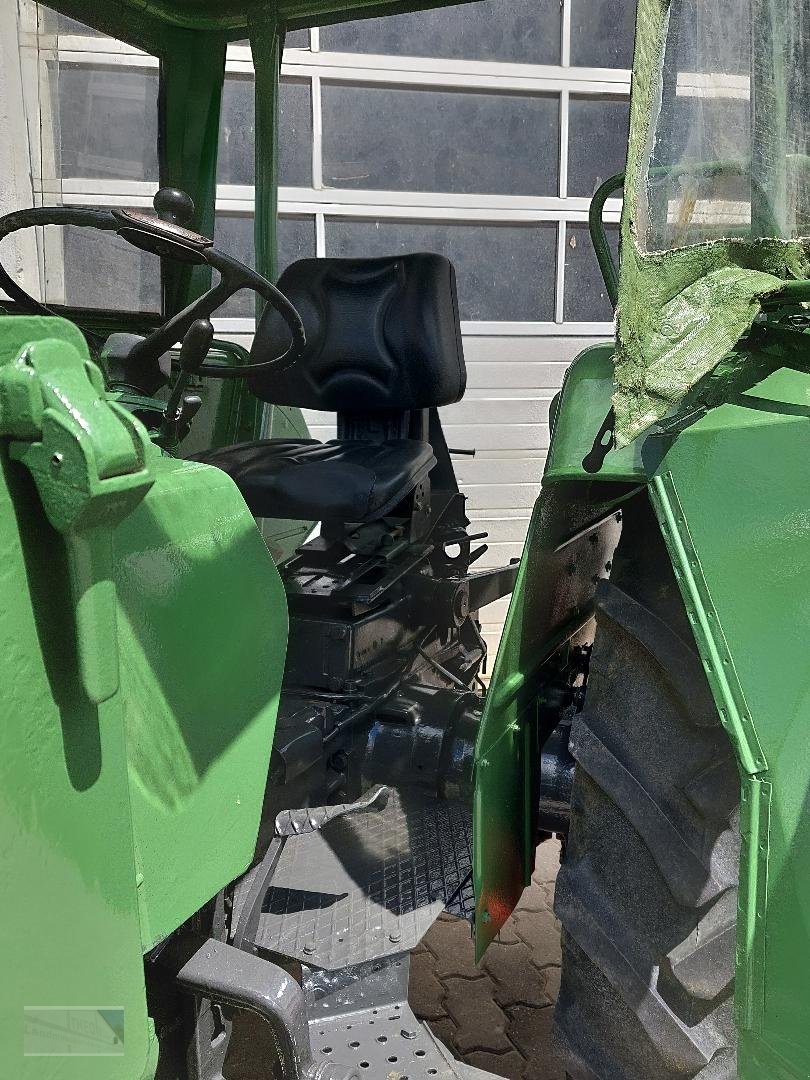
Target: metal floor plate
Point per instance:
(369, 886)
(360, 1019)
(388, 1043)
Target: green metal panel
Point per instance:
(203, 628)
(548, 604)
(732, 496)
(730, 489)
(551, 606)
(192, 69)
(501, 812)
(68, 901)
(266, 42)
(144, 631)
(585, 401)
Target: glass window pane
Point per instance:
(234, 235)
(296, 39)
(586, 298)
(602, 33)
(103, 271)
(520, 31)
(597, 141)
(504, 272)
(54, 23)
(237, 133)
(425, 140)
(107, 121)
(293, 39)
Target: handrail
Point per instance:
(601, 245)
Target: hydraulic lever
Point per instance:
(182, 407)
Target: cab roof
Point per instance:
(141, 21)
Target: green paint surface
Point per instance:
(149, 19)
(68, 900)
(502, 816)
(202, 630)
(551, 604)
(730, 485)
(119, 815)
(541, 608)
(585, 401)
(732, 494)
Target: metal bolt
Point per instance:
(395, 937)
(57, 459)
(406, 1034)
(309, 949)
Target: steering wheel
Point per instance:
(165, 234)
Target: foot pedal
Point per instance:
(314, 818)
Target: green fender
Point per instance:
(733, 498)
(551, 604)
(144, 630)
(731, 490)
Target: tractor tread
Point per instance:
(686, 868)
(597, 924)
(647, 893)
(675, 657)
(703, 964)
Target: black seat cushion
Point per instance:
(382, 334)
(342, 480)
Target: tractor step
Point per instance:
(369, 886)
(360, 1018)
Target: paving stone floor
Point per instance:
(497, 1016)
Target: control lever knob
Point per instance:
(182, 406)
(196, 343)
(172, 204)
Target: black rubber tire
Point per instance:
(647, 893)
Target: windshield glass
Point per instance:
(728, 146)
(95, 143)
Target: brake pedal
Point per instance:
(310, 819)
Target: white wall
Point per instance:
(504, 418)
(16, 170)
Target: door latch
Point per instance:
(91, 462)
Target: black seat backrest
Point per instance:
(382, 334)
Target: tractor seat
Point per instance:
(383, 348)
(341, 480)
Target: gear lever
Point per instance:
(182, 406)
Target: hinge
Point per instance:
(91, 462)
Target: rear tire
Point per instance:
(647, 893)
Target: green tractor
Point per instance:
(237, 789)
